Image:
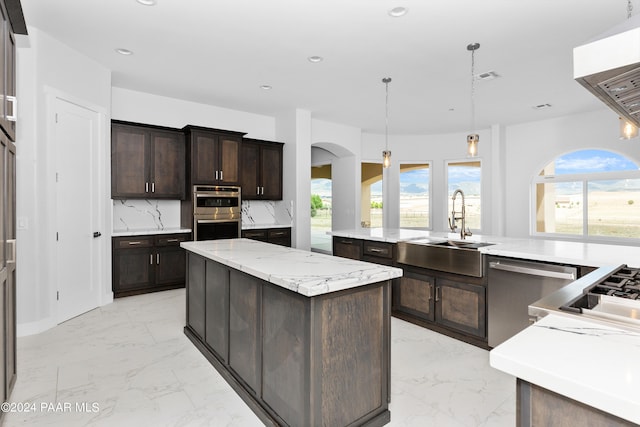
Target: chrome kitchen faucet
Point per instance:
(452, 221)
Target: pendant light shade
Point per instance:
(473, 139)
(627, 129)
(386, 154)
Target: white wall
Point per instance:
(45, 66)
(140, 107)
(530, 146)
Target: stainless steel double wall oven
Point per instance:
(216, 212)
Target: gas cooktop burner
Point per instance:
(624, 283)
(618, 295)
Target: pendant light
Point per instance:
(386, 154)
(473, 138)
(627, 129)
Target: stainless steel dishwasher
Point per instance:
(512, 286)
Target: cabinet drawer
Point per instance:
(255, 234)
(279, 232)
(171, 239)
(132, 242)
(378, 249)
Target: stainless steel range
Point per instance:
(615, 297)
(610, 294)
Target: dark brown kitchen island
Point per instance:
(303, 338)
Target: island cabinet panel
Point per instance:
(351, 329)
(537, 406)
(196, 280)
(295, 360)
(217, 309)
(285, 354)
(245, 297)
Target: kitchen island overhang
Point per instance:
(303, 338)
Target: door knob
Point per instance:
(97, 234)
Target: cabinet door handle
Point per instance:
(429, 292)
(146, 187)
(12, 251)
(14, 108)
(157, 259)
(153, 187)
(172, 240)
(221, 178)
(262, 190)
(277, 233)
(375, 250)
(346, 242)
(258, 191)
(216, 175)
(437, 293)
(135, 243)
(150, 258)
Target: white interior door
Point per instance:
(78, 208)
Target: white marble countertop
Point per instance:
(307, 273)
(123, 233)
(577, 253)
(588, 361)
(262, 226)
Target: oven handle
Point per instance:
(531, 271)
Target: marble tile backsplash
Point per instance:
(149, 214)
(145, 214)
(267, 212)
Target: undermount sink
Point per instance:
(452, 256)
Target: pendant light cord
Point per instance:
(386, 81)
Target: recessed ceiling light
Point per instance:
(265, 87)
(397, 12)
(147, 2)
(315, 59)
(123, 51)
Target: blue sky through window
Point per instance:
(590, 161)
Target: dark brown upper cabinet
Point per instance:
(8, 108)
(261, 175)
(147, 162)
(214, 155)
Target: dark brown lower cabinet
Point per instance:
(295, 360)
(537, 406)
(451, 304)
(148, 263)
(347, 248)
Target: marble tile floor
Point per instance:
(130, 364)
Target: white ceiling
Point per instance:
(221, 51)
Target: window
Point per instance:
(321, 208)
(371, 195)
(588, 193)
(415, 189)
(466, 176)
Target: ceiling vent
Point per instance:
(489, 75)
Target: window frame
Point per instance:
(448, 197)
(584, 179)
(429, 163)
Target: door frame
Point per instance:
(104, 211)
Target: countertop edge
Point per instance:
(275, 264)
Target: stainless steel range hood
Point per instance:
(609, 67)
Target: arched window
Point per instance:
(589, 194)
